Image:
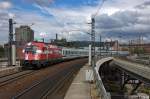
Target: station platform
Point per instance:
(80, 88)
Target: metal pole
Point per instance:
(90, 55)
(111, 45)
(13, 58)
(10, 42)
(100, 46)
(43, 39)
(93, 40)
(117, 48)
(129, 47)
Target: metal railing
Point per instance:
(99, 84)
(101, 89)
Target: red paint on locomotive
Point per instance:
(40, 53)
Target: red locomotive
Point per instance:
(39, 54)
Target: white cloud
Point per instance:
(5, 5)
(115, 17)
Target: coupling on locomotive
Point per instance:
(40, 54)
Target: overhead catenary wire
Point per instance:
(99, 8)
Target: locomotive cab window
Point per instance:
(31, 49)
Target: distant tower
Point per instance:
(141, 40)
(56, 36)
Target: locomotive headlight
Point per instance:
(29, 44)
(39, 51)
(23, 51)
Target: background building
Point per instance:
(24, 34)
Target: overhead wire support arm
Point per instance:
(93, 32)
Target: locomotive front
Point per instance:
(40, 54)
(32, 53)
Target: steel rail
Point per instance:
(10, 74)
(60, 84)
(15, 77)
(51, 81)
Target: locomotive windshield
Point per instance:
(31, 49)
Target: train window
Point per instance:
(34, 48)
(31, 49)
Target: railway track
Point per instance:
(49, 86)
(62, 84)
(7, 79)
(40, 84)
(2, 76)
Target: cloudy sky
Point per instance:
(117, 19)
